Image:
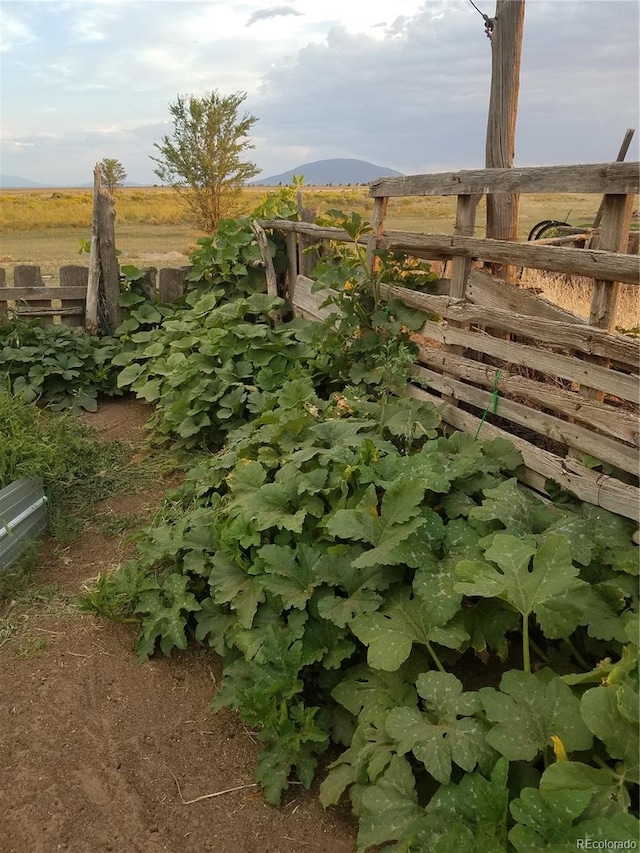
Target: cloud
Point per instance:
(14, 33)
(274, 12)
(416, 99)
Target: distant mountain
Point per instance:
(14, 182)
(336, 171)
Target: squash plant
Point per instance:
(353, 566)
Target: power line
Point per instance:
(488, 22)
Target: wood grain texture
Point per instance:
(597, 489)
(616, 422)
(570, 336)
(490, 292)
(563, 432)
(599, 178)
(543, 361)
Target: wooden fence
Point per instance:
(30, 297)
(567, 388)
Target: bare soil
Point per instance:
(100, 754)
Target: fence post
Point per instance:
(29, 275)
(171, 283)
(380, 204)
(73, 275)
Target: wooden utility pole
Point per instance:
(505, 33)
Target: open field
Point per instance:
(45, 227)
(38, 210)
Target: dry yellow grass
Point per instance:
(573, 293)
(45, 227)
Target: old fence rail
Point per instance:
(567, 387)
(30, 297)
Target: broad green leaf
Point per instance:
(467, 818)
(528, 710)
(270, 506)
(398, 518)
(446, 732)
(608, 792)
(129, 374)
(233, 586)
(391, 632)
(528, 590)
(551, 821)
(515, 508)
(600, 711)
(389, 807)
(488, 622)
(167, 610)
(367, 692)
(215, 625)
(354, 589)
(290, 573)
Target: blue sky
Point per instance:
(404, 84)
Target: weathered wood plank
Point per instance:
(614, 237)
(597, 178)
(616, 422)
(585, 339)
(587, 485)
(65, 311)
(171, 284)
(573, 369)
(594, 263)
(309, 302)
(110, 270)
(571, 435)
(43, 293)
(464, 227)
(267, 261)
(377, 224)
(490, 292)
(292, 264)
(310, 229)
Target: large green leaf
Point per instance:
(447, 732)
(389, 807)
(390, 632)
(167, 610)
(290, 574)
(399, 517)
(528, 710)
(467, 818)
(233, 586)
(528, 590)
(550, 821)
(600, 710)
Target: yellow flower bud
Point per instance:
(558, 748)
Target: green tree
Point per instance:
(113, 173)
(203, 159)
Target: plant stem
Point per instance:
(536, 648)
(583, 663)
(526, 654)
(435, 657)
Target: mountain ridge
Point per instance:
(337, 170)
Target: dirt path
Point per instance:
(93, 746)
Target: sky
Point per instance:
(401, 83)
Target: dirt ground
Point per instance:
(100, 754)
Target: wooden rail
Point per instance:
(599, 178)
(30, 297)
(567, 388)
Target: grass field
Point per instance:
(45, 227)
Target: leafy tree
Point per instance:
(113, 173)
(202, 159)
